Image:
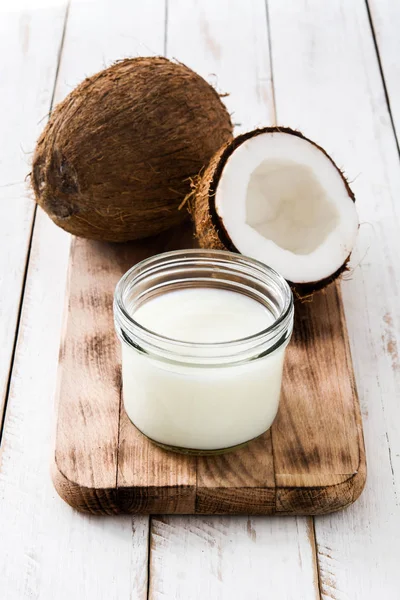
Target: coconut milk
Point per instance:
(201, 407)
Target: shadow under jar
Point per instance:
(203, 336)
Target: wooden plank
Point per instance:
(308, 378)
(227, 43)
(340, 102)
(243, 481)
(90, 436)
(90, 341)
(29, 44)
(318, 374)
(230, 40)
(232, 557)
(385, 15)
(141, 468)
(52, 551)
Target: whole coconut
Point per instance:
(117, 155)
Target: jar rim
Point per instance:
(125, 320)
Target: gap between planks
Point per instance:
(382, 73)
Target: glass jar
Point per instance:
(202, 398)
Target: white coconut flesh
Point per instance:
(282, 201)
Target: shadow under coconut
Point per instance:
(117, 258)
(320, 319)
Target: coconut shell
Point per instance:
(209, 227)
(117, 155)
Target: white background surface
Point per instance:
(307, 64)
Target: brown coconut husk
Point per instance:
(209, 227)
(116, 157)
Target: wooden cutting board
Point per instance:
(311, 462)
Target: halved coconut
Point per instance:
(276, 196)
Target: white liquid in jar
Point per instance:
(204, 315)
(202, 407)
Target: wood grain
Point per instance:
(311, 462)
(319, 374)
(206, 36)
(29, 44)
(227, 42)
(327, 83)
(238, 482)
(340, 102)
(229, 558)
(51, 550)
(89, 400)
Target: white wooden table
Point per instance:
(331, 69)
